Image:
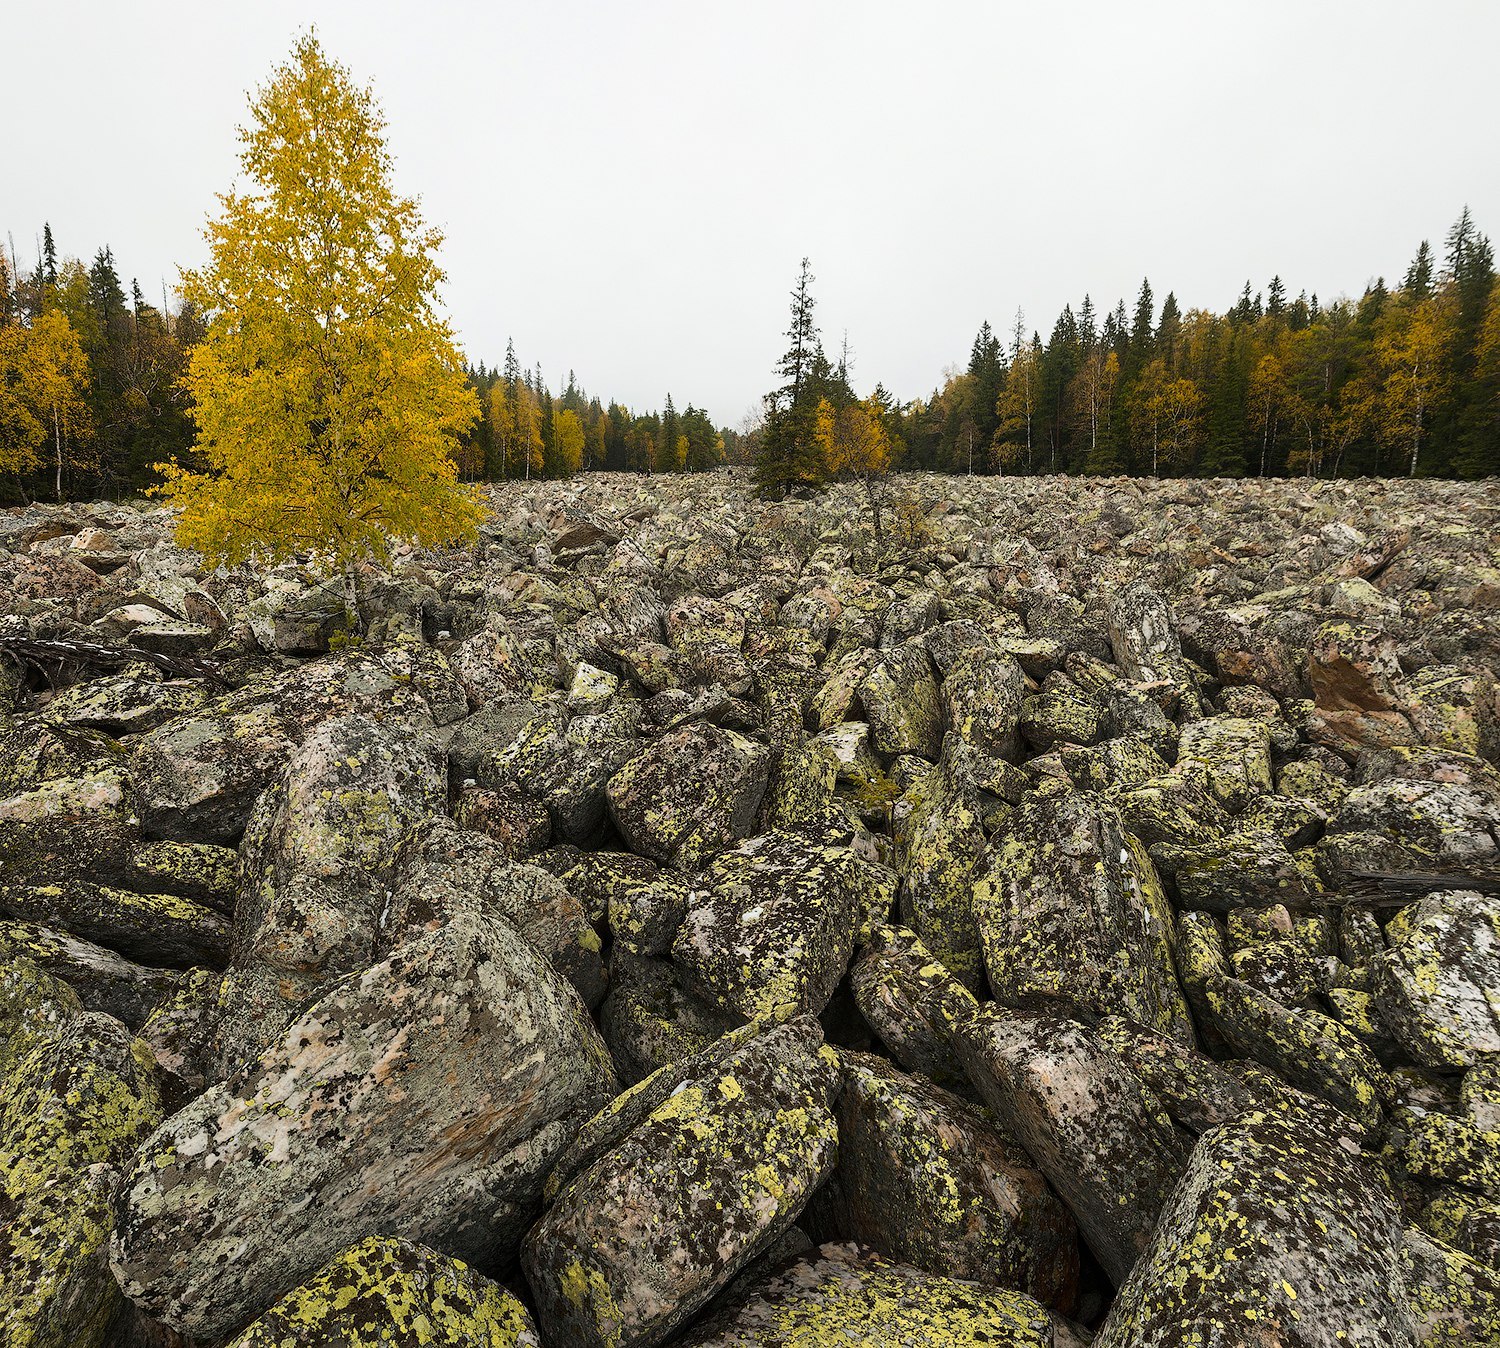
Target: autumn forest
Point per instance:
(1403, 380)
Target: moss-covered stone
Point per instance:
(203, 872)
(689, 794)
(392, 1292)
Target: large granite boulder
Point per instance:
(426, 1096)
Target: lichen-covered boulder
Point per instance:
(1070, 910)
(939, 836)
(393, 1292)
(442, 869)
(650, 1018)
(77, 1094)
(1312, 1051)
(1097, 1132)
(297, 615)
(203, 872)
(81, 827)
(124, 704)
(316, 866)
(1277, 1234)
(640, 1240)
(1437, 981)
(426, 1096)
(1143, 637)
(1445, 823)
(982, 692)
(565, 762)
(772, 924)
(901, 702)
(913, 1003)
(842, 1294)
(159, 929)
(104, 981)
(643, 904)
(1231, 754)
(689, 794)
(1453, 1299)
(924, 1179)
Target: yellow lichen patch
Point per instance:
(392, 1292)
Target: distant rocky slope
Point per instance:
(671, 921)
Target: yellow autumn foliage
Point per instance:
(328, 394)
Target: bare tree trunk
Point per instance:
(874, 498)
(57, 437)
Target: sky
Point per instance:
(627, 189)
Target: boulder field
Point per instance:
(677, 919)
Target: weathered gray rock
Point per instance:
(924, 1179)
(316, 869)
(772, 924)
(1092, 1126)
(1276, 1234)
(913, 1003)
(689, 794)
(158, 929)
(77, 1094)
(1437, 982)
(900, 698)
(844, 1293)
(427, 1095)
(1071, 911)
(643, 1238)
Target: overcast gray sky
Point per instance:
(627, 188)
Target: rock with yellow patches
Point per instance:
(427, 1096)
(772, 924)
(981, 694)
(1437, 983)
(926, 1180)
(651, 1018)
(76, 1096)
(158, 929)
(913, 1003)
(1277, 1235)
(900, 698)
(1453, 1299)
(1071, 911)
(104, 980)
(394, 1294)
(1231, 754)
(641, 1239)
(1097, 1132)
(316, 864)
(442, 869)
(842, 1294)
(643, 903)
(689, 794)
(939, 833)
(81, 827)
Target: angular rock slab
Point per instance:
(688, 794)
(771, 926)
(1277, 1235)
(1070, 909)
(642, 1239)
(385, 1291)
(315, 868)
(77, 1094)
(925, 1180)
(1439, 983)
(1097, 1132)
(426, 1096)
(841, 1294)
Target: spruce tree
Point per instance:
(788, 455)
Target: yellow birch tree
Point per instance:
(328, 393)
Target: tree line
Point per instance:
(1404, 380)
(524, 431)
(91, 389)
